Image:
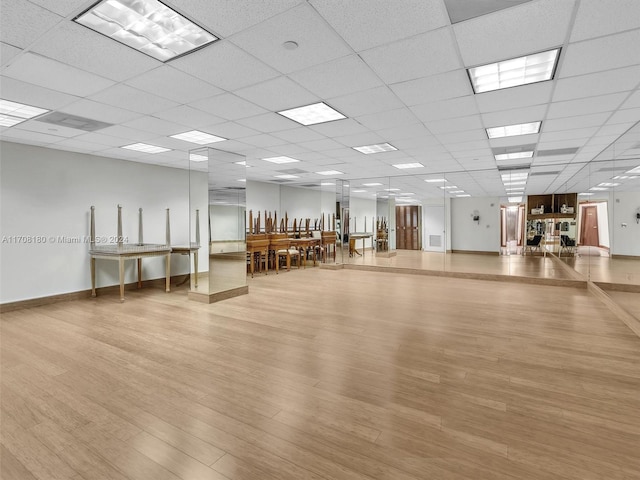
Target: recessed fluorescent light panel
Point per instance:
(326, 184)
(608, 184)
(13, 113)
(145, 148)
(599, 189)
(515, 199)
(196, 136)
(358, 191)
(196, 157)
(371, 184)
(286, 176)
(538, 67)
(447, 187)
(312, 114)
(465, 195)
(405, 166)
(392, 189)
(148, 26)
(513, 156)
(624, 177)
(506, 184)
(377, 148)
(513, 130)
(280, 160)
(243, 163)
(435, 180)
(330, 172)
(585, 194)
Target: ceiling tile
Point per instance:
(625, 116)
(8, 53)
(19, 91)
(481, 146)
(570, 123)
(226, 18)
(601, 54)
(22, 22)
(99, 111)
(133, 99)
(60, 77)
(209, 63)
(514, 141)
(191, 117)
(317, 42)
(74, 144)
(168, 82)
(50, 129)
(15, 134)
(388, 119)
(633, 101)
(127, 135)
(357, 19)
(420, 56)
(338, 77)
(359, 139)
(297, 135)
(604, 17)
(321, 145)
(230, 130)
(401, 132)
(228, 106)
(560, 135)
(262, 140)
(434, 88)
(337, 128)
(528, 28)
(364, 102)
(277, 94)
(76, 45)
(584, 106)
(516, 97)
(101, 139)
(268, 122)
(514, 116)
(584, 86)
(62, 7)
(455, 107)
(451, 139)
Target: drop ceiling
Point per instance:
(396, 70)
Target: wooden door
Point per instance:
(589, 231)
(408, 227)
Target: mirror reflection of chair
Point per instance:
(533, 244)
(567, 244)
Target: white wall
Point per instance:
(227, 222)
(48, 193)
(359, 209)
(263, 196)
(469, 235)
(603, 225)
(625, 240)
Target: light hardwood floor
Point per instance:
(320, 374)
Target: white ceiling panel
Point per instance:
(559, 135)
(321, 145)
(277, 94)
(19, 91)
(263, 140)
(420, 56)
(317, 42)
(355, 20)
(434, 88)
(101, 139)
(515, 97)
(7, 53)
(189, 116)
(528, 28)
(481, 146)
(230, 130)
(633, 101)
(29, 67)
(566, 143)
(228, 106)
(287, 150)
(29, 137)
(570, 123)
(450, 139)
(99, 111)
(459, 124)
(414, 130)
(454, 107)
(605, 53)
(596, 18)
(48, 128)
(338, 77)
(360, 139)
(367, 101)
(513, 141)
(64, 7)
(22, 22)
(625, 116)
(268, 122)
(242, 69)
(127, 135)
(76, 45)
(73, 144)
(514, 116)
(615, 129)
(130, 98)
(389, 119)
(337, 128)
(168, 82)
(226, 18)
(585, 106)
(584, 86)
(297, 135)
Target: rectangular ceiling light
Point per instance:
(196, 136)
(465, 195)
(405, 166)
(13, 113)
(447, 187)
(392, 189)
(145, 148)
(506, 184)
(148, 26)
(513, 156)
(377, 148)
(513, 130)
(326, 184)
(609, 184)
(435, 180)
(196, 157)
(312, 114)
(371, 184)
(513, 189)
(358, 191)
(537, 67)
(599, 189)
(633, 171)
(585, 194)
(286, 176)
(624, 177)
(280, 160)
(456, 191)
(330, 172)
(515, 199)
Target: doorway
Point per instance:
(511, 229)
(408, 235)
(589, 234)
(593, 228)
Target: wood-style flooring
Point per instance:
(320, 374)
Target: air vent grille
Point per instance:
(557, 151)
(73, 121)
(292, 171)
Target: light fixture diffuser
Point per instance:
(435, 180)
(376, 148)
(196, 136)
(371, 184)
(330, 172)
(515, 199)
(514, 130)
(513, 156)
(146, 148)
(405, 166)
(534, 68)
(287, 176)
(148, 26)
(312, 114)
(196, 157)
(280, 160)
(13, 113)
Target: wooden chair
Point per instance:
(567, 244)
(258, 252)
(533, 244)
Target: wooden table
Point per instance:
(129, 252)
(188, 250)
(358, 236)
(302, 244)
(261, 246)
